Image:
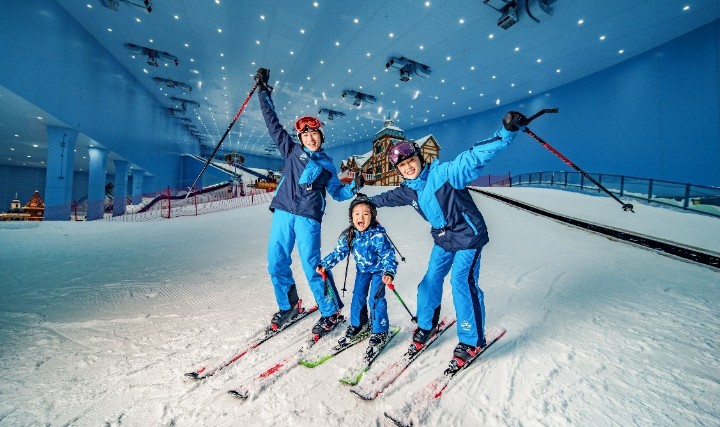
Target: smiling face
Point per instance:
(410, 168)
(311, 140)
(361, 217)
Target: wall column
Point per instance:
(59, 173)
(96, 183)
(121, 187)
(138, 181)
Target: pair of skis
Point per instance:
(417, 406)
(211, 368)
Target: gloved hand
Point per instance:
(359, 181)
(262, 76)
(513, 121)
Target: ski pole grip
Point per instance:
(323, 274)
(391, 286)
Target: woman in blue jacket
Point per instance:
(298, 207)
(438, 193)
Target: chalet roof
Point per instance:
(421, 141)
(361, 159)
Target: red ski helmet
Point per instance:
(307, 124)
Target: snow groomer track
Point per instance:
(672, 249)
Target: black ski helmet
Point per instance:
(362, 199)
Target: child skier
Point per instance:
(298, 207)
(376, 266)
(438, 193)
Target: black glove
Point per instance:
(513, 120)
(262, 76)
(359, 181)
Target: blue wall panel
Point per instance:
(656, 115)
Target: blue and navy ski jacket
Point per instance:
(371, 249)
(440, 196)
(306, 199)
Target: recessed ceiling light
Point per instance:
(581, 21)
(491, 36)
(302, 31)
(110, 30)
(257, 42)
(356, 20)
(621, 51)
(391, 35)
(427, 4)
(337, 43)
(35, 145)
(557, 71)
(602, 37)
(262, 17)
(461, 21)
(316, 4)
(137, 20)
(686, 8)
(176, 17)
(187, 45)
(497, 101)
(517, 48)
(539, 60)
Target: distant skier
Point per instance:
(298, 207)
(376, 266)
(438, 193)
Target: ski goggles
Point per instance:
(307, 123)
(402, 151)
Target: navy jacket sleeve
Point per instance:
(279, 135)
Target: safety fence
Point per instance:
(690, 197)
(173, 204)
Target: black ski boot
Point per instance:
(376, 343)
(353, 331)
(325, 325)
(421, 336)
(280, 318)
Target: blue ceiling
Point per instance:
(207, 51)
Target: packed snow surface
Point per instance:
(100, 320)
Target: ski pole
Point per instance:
(227, 131)
(392, 288)
(625, 206)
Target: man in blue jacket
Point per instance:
(298, 207)
(438, 193)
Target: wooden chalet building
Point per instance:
(375, 165)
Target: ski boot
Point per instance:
(325, 325)
(352, 332)
(282, 317)
(376, 343)
(462, 354)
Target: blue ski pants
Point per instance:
(370, 284)
(468, 298)
(285, 230)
